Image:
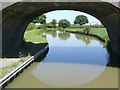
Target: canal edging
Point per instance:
(94, 35)
(9, 77)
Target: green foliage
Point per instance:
(81, 19)
(86, 30)
(64, 23)
(50, 25)
(54, 22)
(61, 29)
(41, 19)
(42, 27)
(22, 59)
(47, 25)
(84, 26)
(31, 26)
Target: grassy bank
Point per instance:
(98, 31)
(34, 36)
(33, 43)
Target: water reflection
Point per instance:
(68, 64)
(77, 55)
(73, 60)
(52, 33)
(31, 77)
(64, 35)
(87, 40)
(71, 39)
(65, 74)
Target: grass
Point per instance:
(9, 68)
(74, 29)
(101, 32)
(34, 36)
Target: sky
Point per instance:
(69, 15)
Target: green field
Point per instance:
(101, 32)
(34, 36)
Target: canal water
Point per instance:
(73, 60)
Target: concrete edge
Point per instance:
(9, 77)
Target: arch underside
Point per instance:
(16, 18)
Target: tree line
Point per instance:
(80, 19)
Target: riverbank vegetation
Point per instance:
(98, 31)
(78, 26)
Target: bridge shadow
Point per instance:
(26, 49)
(114, 59)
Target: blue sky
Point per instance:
(69, 15)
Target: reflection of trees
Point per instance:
(53, 33)
(64, 35)
(87, 39)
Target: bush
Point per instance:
(54, 22)
(41, 26)
(64, 23)
(61, 29)
(31, 26)
(49, 25)
(96, 26)
(86, 30)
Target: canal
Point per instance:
(73, 60)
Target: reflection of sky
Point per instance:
(65, 74)
(79, 55)
(69, 64)
(75, 50)
(72, 41)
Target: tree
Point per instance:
(54, 22)
(81, 19)
(41, 19)
(64, 23)
(49, 25)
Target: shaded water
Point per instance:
(73, 60)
